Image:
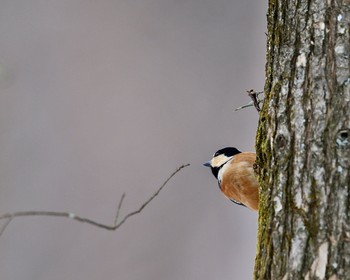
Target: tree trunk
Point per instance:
(303, 143)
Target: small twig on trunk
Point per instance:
(10, 216)
(254, 96)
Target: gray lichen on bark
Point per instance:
(303, 143)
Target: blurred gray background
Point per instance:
(103, 97)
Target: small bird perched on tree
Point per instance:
(234, 171)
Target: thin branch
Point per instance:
(254, 96)
(119, 206)
(4, 226)
(245, 106)
(10, 216)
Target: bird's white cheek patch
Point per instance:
(222, 171)
(219, 160)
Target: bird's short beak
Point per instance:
(207, 164)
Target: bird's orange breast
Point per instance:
(239, 181)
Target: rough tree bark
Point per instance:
(303, 143)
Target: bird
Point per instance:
(234, 171)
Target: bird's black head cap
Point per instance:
(228, 151)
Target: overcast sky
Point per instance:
(98, 98)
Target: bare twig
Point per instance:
(5, 225)
(10, 216)
(254, 96)
(250, 104)
(119, 206)
(255, 100)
